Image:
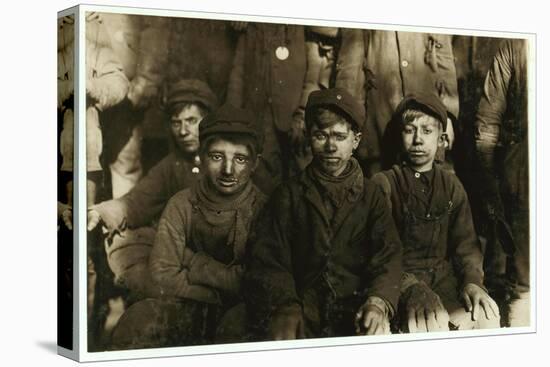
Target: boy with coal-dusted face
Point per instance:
(326, 258)
(197, 260)
(442, 285)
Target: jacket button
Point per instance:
(428, 215)
(404, 63)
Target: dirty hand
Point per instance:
(425, 312)
(475, 297)
(65, 212)
(287, 323)
(371, 318)
(111, 213)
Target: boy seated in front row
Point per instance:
(442, 284)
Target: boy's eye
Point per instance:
(427, 131)
(192, 121)
(216, 157)
(241, 160)
(408, 130)
(319, 136)
(341, 137)
(176, 123)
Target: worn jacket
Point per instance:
(262, 82)
(439, 235)
(201, 49)
(187, 260)
(381, 67)
(141, 45)
(146, 201)
(502, 121)
(295, 247)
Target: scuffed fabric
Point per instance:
(263, 83)
(146, 201)
(436, 229)
(296, 250)
(106, 86)
(381, 67)
(271, 89)
(180, 243)
(211, 64)
(141, 45)
(502, 150)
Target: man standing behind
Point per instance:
(326, 260)
(502, 149)
(197, 258)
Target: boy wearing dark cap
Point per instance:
(442, 284)
(197, 257)
(129, 219)
(326, 257)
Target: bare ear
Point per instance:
(443, 140)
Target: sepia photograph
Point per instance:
(261, 181)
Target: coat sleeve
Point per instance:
(147, 199)
(152, 58)
(269, 281)
(463, 240)
(492, 107)
(384, 256)
(108, 84)
(350, 73)
(168, 264)
(235, 86)
(440, 57)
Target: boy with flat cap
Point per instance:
(197, 257)
(442, 283)
(326, 257)
(129, 220)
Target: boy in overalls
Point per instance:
(442, 284)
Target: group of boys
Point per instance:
(329, 253)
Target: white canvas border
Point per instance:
(81, 344)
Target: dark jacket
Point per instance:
(146, 201)
(294, 247)
(436, 236)
(261, 82)
(502, 149)
(502, 118)
(201, 49)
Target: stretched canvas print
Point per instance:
(239, 183)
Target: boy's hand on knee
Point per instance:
(475, 298)
(372, 319)
(425, 311)
(288, 323)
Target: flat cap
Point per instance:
(428, 103)
(336, 99)
(189, 91)
(229, 119)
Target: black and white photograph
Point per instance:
(274, 183)
(252, 181)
